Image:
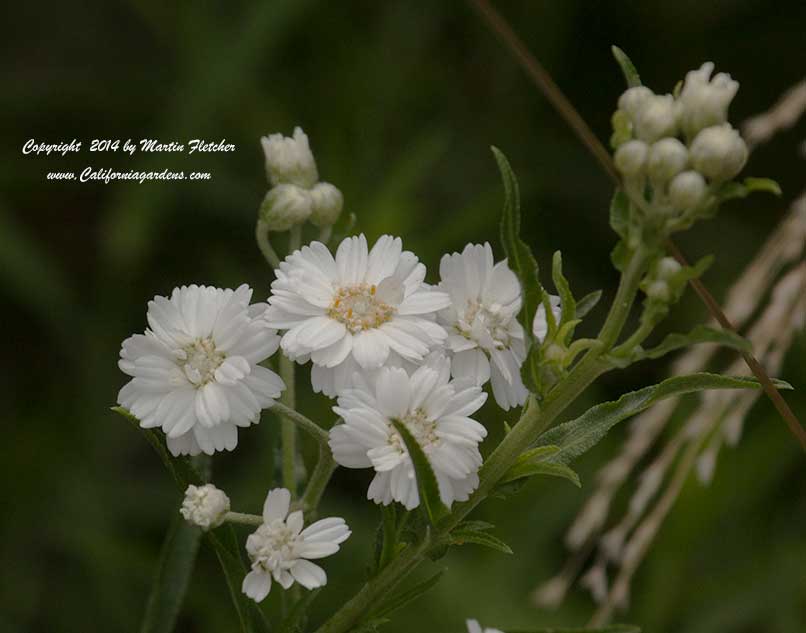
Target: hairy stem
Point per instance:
(262, 239)
(288, 430)
(317, 482)
(306, 424)
(243, 518)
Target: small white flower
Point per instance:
(484, 335)
(633, 99)
(204, 506)
(195, 371)
(540, 325)
(327, 203)
(434, 409)
(667, 268)
(704, 101)
(687, 190)
(282, 550)
(667, 158)
(718, 152)
(656, 118)
(285, 206)
(631, 158)
(354, 311)
(289, 159)
(473, 626)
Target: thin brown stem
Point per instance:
(543, 81)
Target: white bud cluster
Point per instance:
(680, 144)
(204, 506)
(297, 196)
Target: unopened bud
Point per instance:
(289, 159)
(667, 158)
(667, 268)
(554, 353)
(656, 118)
(632, 100)
(204, 506)
(718, 152)
(658, 290)
(704, 102)
(631, 158)
(687, 190)
(327, 203)
(285, 206)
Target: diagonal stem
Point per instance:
(541, 78)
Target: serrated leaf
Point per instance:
(461, 537)
(519, 255)
(616, 628)
(588, 303)
(700, 334)
(569, 305)
(403, 598)
(526, 470)
(426, 480)
(627, 67)
(171, 580)
(577, 436)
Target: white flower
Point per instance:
(204, 506)
(327, 204)
(282, 550)
(289, 159)
(718, 152)
(540, 325)
(704, 101)
(484, 335)
(473, 626)
(195, 372)
(285, 206)
(631, 158)
(687, 190)
(656, 117)
(434, 409)
(633, 99)
(352, 312)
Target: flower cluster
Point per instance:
(281, 550)
(195, 371)
(204, 506)
(297, 195)
(681, 145)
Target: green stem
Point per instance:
(243, 518)
(306, 424)
(317, 482)
(288, 430)
(262, 239)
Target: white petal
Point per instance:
(276, 506)
(308, 574)
(256, 585)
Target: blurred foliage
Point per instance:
(401, 101)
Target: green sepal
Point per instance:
(627, 67)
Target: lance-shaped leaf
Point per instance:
(627, 67)
(732, 190)
(579, 435)
(700, 334)
(478, 535)
(588, 303)
(426, 479)
(569, 305)
(170, 583)
(400, 600)
(296, 620)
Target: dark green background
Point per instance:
(401, 101)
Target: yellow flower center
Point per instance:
(359, 309)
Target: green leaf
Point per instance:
(616, 628)
(296, 620)
(588, 303)
(569, 305)
(700, 334)
(620, 213)
(577, 436)
(519, 255)
(426, 480)
(403, 598)
(171, 580)
(627, 67)
(733, 190)
(461, 536)
(523, 471)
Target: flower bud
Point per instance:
(631, 158)
(289, 159)
(204, 506)
(327, 203)
(667, 268)
(286, 206)
(718, 152)
(667, 158)
(632, 100)
(656, 118)
(554, 353)
(703, 101)
(658, 290)
(687, 190)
